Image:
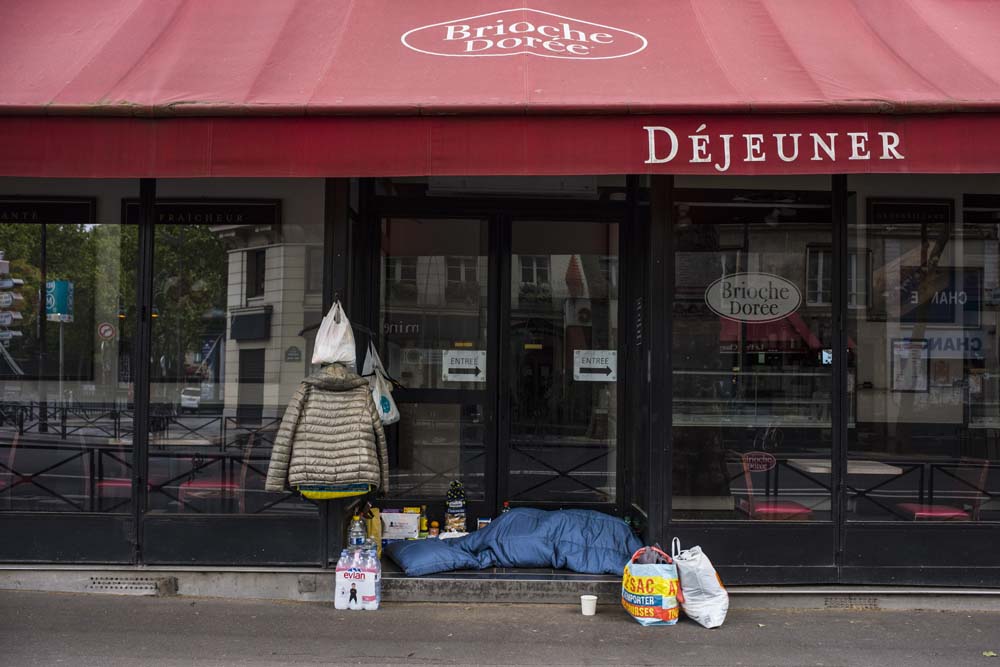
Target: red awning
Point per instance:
(326, 88)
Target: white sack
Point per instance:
(705, 598)
(335, 340)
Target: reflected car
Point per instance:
(190, 399)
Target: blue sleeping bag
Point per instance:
(579, 540)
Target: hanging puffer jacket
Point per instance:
(331, 434)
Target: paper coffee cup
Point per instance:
(588, 604)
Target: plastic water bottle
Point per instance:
(356, 533)
(371, 593)
(341, 591)
(355, 579)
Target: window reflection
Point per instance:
(235, 304)
(434, 304)
(752, 355)
(923, 357)
(563, 361)
(67, 328)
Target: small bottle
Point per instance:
(422, 531)
(342, 587)
(356, 533)
(355, 580)
(434, 530)
(370, 594)
(506, 507)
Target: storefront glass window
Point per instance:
(923, 353)
(67, 327)
(234, 319)
(752, 352)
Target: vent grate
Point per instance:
(852, 602)
(125, 585)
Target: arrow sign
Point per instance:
(463, 365)
(8, 318)
(8, 283)
(7, 299)
(595, 365)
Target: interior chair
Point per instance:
(972, 475)
(208, 488)
(762, 509)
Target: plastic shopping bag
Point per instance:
(651, 591)
(382, 395)
(378, 379)
(705, 598)
(335, 340)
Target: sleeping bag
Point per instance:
(580, 540)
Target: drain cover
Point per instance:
(129, 585)
(851, 602)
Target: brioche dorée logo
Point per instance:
(512, 32)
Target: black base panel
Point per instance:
(922, 545)
(776, 576)
(66, 538)
(759, 544)
(966, 577)
(232, 540)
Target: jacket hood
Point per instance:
(335, 377)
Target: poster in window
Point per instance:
(944, 295)
(910, 365)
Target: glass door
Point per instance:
(560, 320)
(434, 320)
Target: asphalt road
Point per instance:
(55, 628)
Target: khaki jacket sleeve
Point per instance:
(281, 453)
(383, 451)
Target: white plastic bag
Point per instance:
(335, 340)
(705, 598)
(381, 386)
(372, 362)
(382, 395)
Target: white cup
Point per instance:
(588, 604)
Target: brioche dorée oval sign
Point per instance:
(753, 297)
(515, 31)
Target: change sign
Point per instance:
(595, 365)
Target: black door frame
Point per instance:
(499, 214)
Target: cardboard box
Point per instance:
(399, 525)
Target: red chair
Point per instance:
(206, 489)
(766, 510)
(972, 473)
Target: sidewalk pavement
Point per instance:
(106, 630)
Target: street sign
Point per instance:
(463, 365)
(106, 331)
(59, 300)
(7, 335)
(595, 365)
(10, 283)
(7, 299)
(9, 319)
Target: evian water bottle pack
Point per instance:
(359, 580)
